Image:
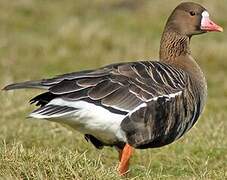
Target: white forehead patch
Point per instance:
(205, 14)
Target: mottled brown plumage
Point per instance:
(149, 103)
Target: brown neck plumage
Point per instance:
(175, 50)
(173, 45)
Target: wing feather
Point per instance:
(65, 86)
(122, 99)
(103, 89)
(52, 111)
(121, 86)
(88, 82)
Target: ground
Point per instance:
(43, 38)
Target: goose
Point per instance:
(133, 105)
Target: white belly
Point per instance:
(89, 119)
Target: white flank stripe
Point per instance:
(137, 108)
(167, 96)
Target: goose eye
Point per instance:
(192, 13)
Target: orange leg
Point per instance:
(125, 157)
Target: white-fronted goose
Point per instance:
(144, 104)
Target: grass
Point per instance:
(44, 38)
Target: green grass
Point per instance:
(44, 38)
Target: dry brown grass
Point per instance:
(44, 38)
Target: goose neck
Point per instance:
(173, 45)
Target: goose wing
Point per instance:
(119, 88)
